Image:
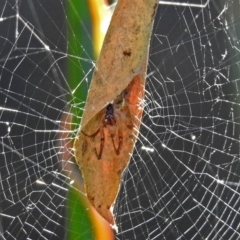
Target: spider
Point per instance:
(108, 119)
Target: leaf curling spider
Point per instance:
(108, 119)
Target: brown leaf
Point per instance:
(114, 106)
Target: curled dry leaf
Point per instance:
(112, 116)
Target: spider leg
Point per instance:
(91, 135)
(99, 155)
(120, 141)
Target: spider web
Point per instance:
(183, 179)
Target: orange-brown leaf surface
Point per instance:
(114, 106)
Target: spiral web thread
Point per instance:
(183, 179)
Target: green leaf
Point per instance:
(79, 225)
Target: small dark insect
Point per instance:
(108, 119)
